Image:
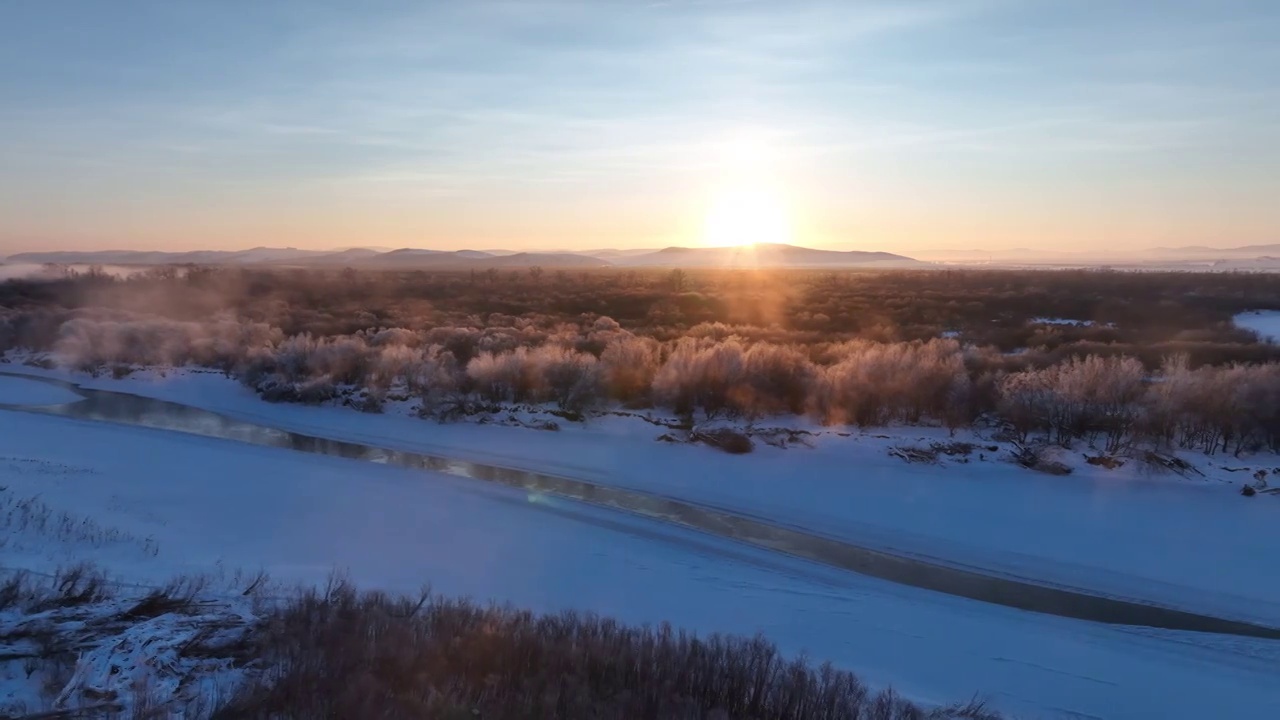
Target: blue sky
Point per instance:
(885, 125)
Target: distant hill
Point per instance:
(612, 254)
(196, 257)
(425, 259)
(410, 259)
(104, 257)
(556, 260)
(1242, 252)
(771, 255)
(1192, 256)
(410, 256)
(346, 257)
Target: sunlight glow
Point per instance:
(746, 209)
(746, 216)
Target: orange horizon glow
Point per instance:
(906, 127)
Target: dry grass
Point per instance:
(725, 439)
(343, 654)
(29, 521)
(1157, 463)
(1035, 457)
(912, 454)
(340, 653)
(90, 649)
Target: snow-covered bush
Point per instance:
(875, 383)
(628, 365)
(701, 374)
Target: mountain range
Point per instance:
(770, 255)
(1198, 252)
(1189, 257)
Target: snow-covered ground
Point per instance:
(164, 503)
(123, 659)
(212, 504)
(1264, 322)
(1192, 543)
(1059, 321)
(18, 391)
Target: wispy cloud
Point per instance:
(491, 99)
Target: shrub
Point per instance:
(343, 654)
(875, 383)
(730, 441)
(1034, 457)
(628, 365)
(701, 375)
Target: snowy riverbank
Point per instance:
(213, 504)
(1264, 322)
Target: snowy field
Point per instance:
(163, 503)
(1188, 542)
(17, 391)
(1059, 321)
(1264, 322)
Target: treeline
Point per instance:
(712, 371)
(1145, 315)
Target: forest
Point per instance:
(1114, 359)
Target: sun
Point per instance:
(746, 208)
(746, 216)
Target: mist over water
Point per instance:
(18, 271)
(22, 271)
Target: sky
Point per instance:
(552, 124)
